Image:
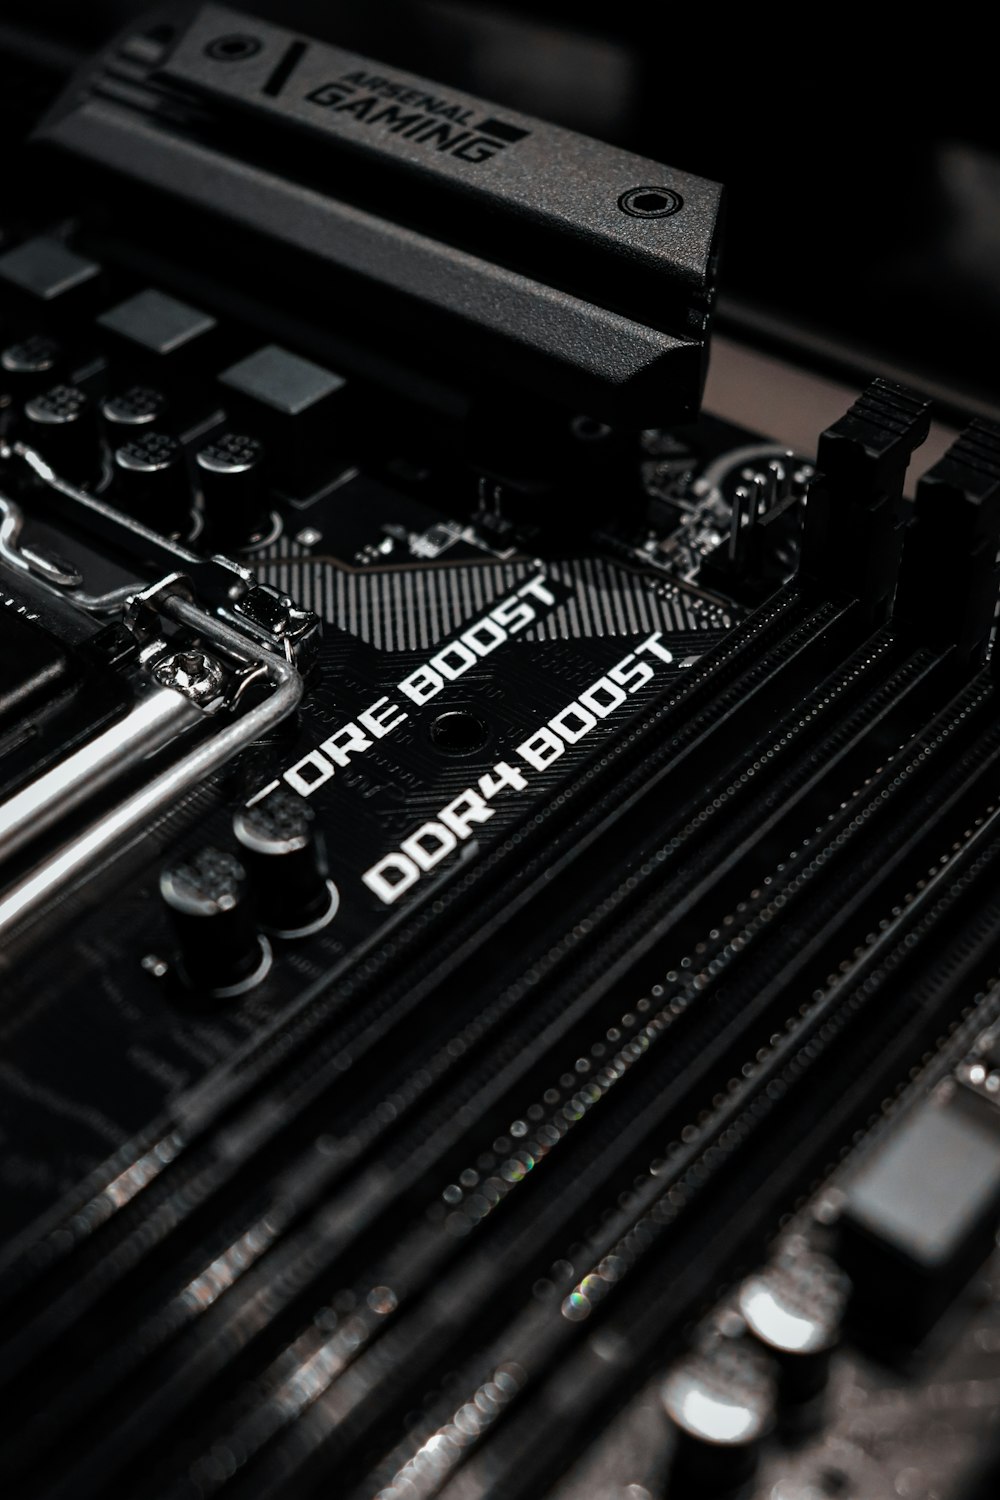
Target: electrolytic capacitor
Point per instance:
(60, 424)
(151, 481)
(29, 365)
(720, 1402)
(285, 857)
(230, 471)
(131, 411)
(794, 1308)
(208, 900)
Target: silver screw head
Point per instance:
(193, 673)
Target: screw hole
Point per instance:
(650, 202)
(234, 48)
(459, 732)
(589, 430)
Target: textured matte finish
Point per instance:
(543, 175)
(477, 247)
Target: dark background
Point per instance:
(861, 151)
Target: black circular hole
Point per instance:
(459, 732)
(234, 48)
(589, 430)
(650, 202)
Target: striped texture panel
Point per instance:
(409, 609)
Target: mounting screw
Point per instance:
(197, 676)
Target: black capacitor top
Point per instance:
(29, 364)
(151, 481)
(208, 899)
(61, 425)
(230, 472)
(286, 859)
(131, 410)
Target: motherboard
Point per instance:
(499, 865)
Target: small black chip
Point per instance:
(282, 382)
(153, 323)
(922, 1214)
(45, 269)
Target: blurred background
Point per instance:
(861, 152)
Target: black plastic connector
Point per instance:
(855, 515)
(949, 580)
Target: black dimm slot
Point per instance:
(842, 732)
(851, 681)
(72, 1229)
(411, 1337)
(525, 1458)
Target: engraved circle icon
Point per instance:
(236, 47)
(650, 202)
